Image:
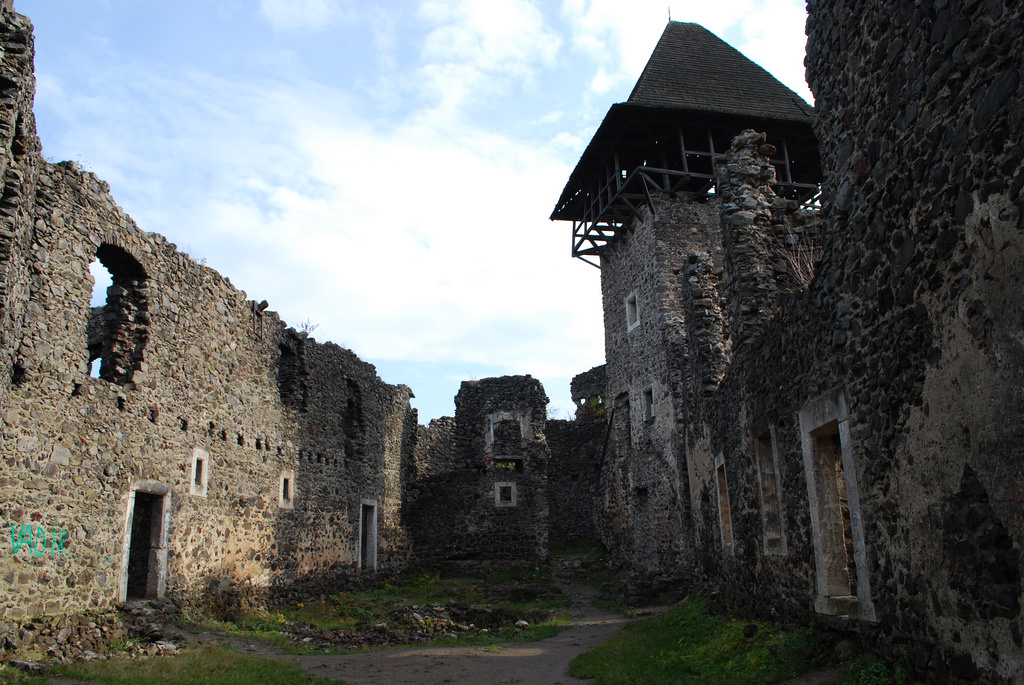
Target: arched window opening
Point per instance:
(119, 319)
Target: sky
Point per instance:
(381, 171)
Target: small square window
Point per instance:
(504, 494)
(286, 490)
(632, 312)
(200, 472)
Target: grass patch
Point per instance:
(689, 645)
(211, 665)
(863, 672)
(423, 608)
(10, 675)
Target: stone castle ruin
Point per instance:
(812, 398)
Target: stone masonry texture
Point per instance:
(218, 452)
(817, 414)
(843, 448)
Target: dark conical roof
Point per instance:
(698, 87)
(693, 69)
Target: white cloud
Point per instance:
(420, 237)
(415, 244)
(475, 48)
(774, 38)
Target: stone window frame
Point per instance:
(632, 305)
(199, 476)
(766, 454)
(497, 417)
(510, 486)
(286, 489)
(724, 509)
(828, 416)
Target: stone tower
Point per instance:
(645, 202)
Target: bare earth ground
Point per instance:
(545, 662)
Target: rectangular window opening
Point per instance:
(509, 464)
(505, 494)
(632, 312)
(286, 490)
(200, 472)
(647, 404)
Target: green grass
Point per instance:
(689, 645)
(12, 676)
(211, 665)
(517, 593)
(869, 672)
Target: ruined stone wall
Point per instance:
(574, 475)
(435, 448)
(491, 509)
(19, 164)
(239, 457)
(577, 454)
(644, 513)
(925, 158)
(880, 407)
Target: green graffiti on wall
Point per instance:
(37, 540)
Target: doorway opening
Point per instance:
(147, 548)
(842, 583)
(368, 535)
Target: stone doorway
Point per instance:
(145, 556)
(842, 585)
(368, 535)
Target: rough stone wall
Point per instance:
(577, 453)
(238, 456)
(884, 397)
(355, 446)
(644, 515)
(925, 161)
(491, 508)
(19, 164)
(852, 441)
(749, 401)
(573, 476)
(435, 448)
(587, 390)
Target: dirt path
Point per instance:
(545, 662)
